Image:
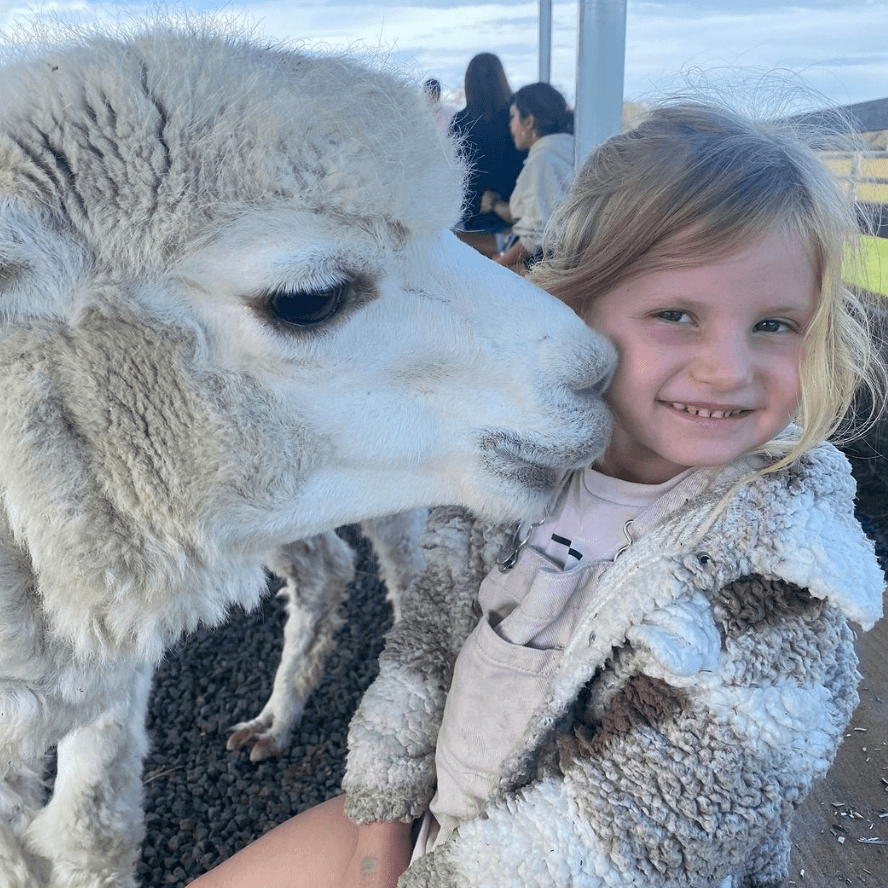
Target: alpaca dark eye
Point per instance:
(304, 308)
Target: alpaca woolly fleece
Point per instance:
(180, 160)
(232, 316)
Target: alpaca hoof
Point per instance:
(259, 734)
(265, 747)
(246, 733)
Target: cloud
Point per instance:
(837, 47)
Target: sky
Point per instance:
(836, 51)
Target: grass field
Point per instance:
(873, 271)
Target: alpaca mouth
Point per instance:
(532, 476)
(531, 465)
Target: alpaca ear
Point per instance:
(42, 263)
(108, 459)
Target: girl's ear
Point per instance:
(530, 122)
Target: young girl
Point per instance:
(638, 688)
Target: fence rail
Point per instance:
(865, 173)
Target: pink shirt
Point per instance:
(504, 670)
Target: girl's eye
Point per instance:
(773, 325)
(305, 308)
(674, 315)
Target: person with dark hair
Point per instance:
(541, 123)
(482, 126)
(443, 114)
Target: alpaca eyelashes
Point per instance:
(290, 309)
(306, 308)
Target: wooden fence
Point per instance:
(865, 173)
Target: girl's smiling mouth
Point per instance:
(707, 412)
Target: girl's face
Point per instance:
(708, 358)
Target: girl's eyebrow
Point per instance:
(680, 299)
(662, 300)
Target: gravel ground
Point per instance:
(203, 803)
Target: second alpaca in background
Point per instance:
(317, 573)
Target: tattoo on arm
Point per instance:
(368, 870)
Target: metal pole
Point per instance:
(545, 54)
(601, 62)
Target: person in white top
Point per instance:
(541, 124)
(639, 687)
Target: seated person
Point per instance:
(541, 124)
(494, 161)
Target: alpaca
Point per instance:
(232, 315)
(316, 574)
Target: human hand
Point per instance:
(513, 258)
(488, 199)
(382, 853)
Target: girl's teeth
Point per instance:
(706, 414)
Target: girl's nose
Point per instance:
(724, 363)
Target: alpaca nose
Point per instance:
(580, 364)
(583, 362)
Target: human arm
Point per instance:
(381, 855)
(318, 848)
(491, 202)
(513, 258)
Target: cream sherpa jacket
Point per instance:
(701, 696)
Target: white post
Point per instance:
(601, 61)
(545, 54)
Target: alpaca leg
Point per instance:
(92, 828)
(317, 573)
(395, 540)
(21, 795)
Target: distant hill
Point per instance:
(869, 117)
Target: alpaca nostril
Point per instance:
(600, 383)
(581, 359)
(595, 367)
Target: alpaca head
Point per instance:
(233, 315)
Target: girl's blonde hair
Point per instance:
(694, 182)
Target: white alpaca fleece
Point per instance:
(168, 129)
(232, 315)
